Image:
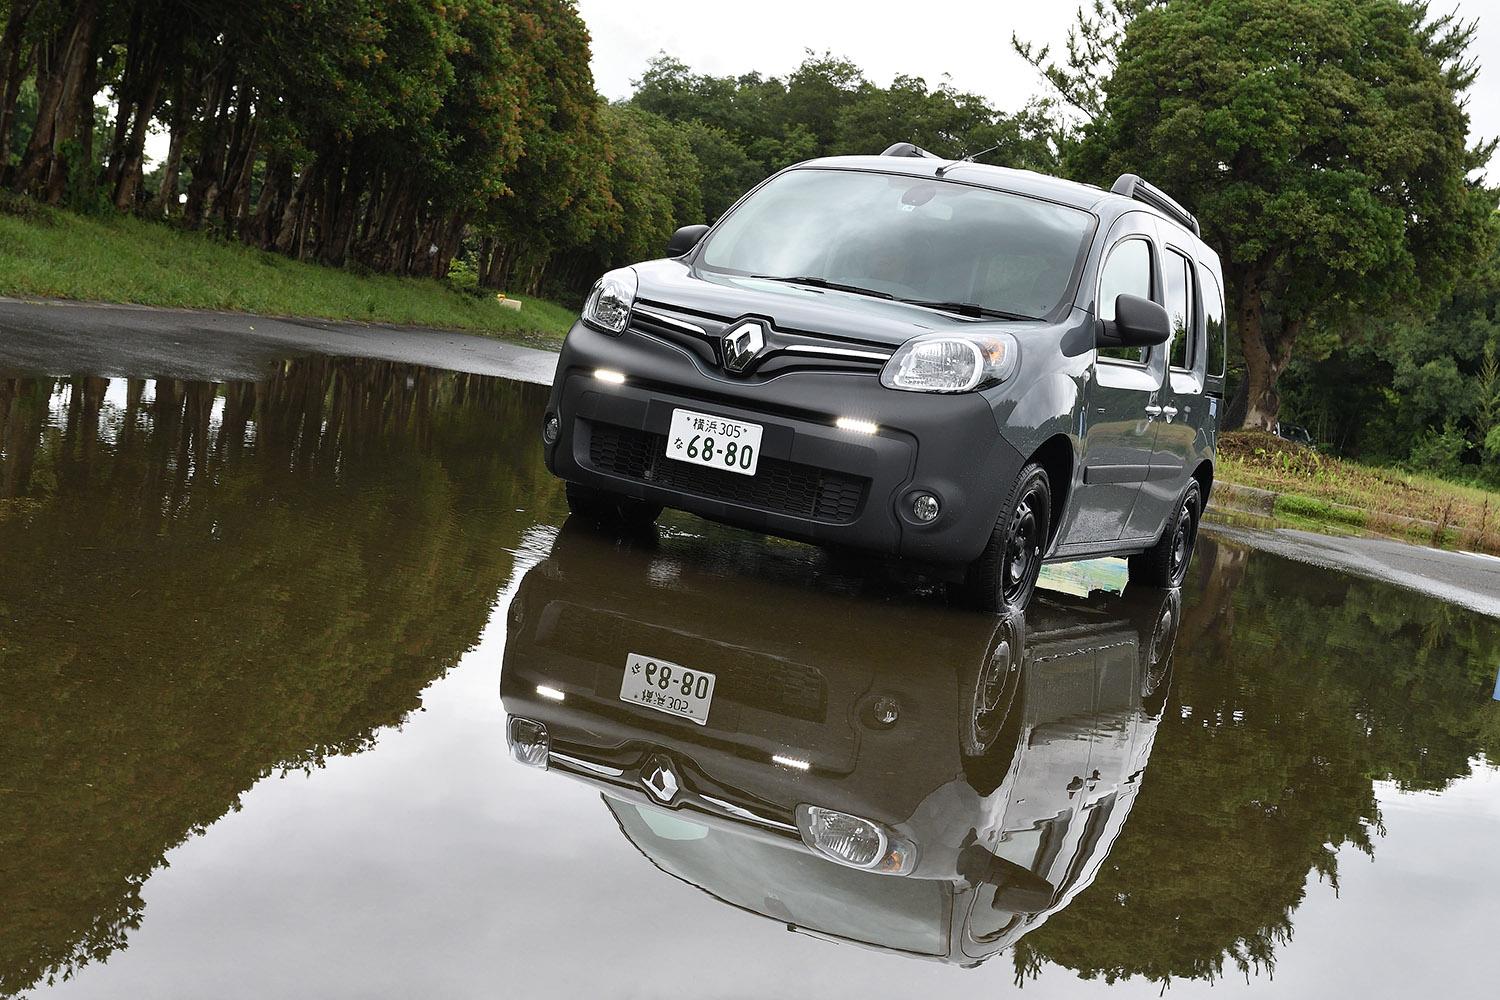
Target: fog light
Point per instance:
(529, 743)
(551, 428)
(855, 842)
(925, 507)
(612, 377)
(887, 710)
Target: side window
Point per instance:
(1177, 278)
(1127, 272)
(1213, 312)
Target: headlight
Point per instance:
(609, 301)
(855, 842)
(941, 362)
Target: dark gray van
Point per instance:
(969, 366)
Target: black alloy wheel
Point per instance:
(1005, 574)
(1166, 563)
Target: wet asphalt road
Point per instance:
(68, 338)
(262, 642)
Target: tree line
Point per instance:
(1322, 143)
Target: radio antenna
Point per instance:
(966, 159)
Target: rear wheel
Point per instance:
(1005, 574)
(610, 509)
(1165, 564)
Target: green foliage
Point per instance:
(1440, 451)
(1390, 394)
(1321, 143)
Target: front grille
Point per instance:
(778, 486)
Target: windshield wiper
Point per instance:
(816, 282)
(968, 309)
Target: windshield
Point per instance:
(906, 237)
(792, 885)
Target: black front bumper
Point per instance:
(815, 482)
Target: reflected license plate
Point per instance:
(719, 443)
(667, 687)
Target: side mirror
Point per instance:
(1138, 322)
(684, 240)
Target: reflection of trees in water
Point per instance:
(1294, 690)
(189, 603)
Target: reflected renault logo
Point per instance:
(660, 780)
(742, 344)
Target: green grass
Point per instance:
(56, 254)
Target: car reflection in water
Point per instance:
(992, 760)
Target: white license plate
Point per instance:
(719, 443)
(667, 687)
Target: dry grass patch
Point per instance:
(1382, 498)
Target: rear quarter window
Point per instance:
(1213, 314)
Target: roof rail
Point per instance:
(1132, 186)
(906, 149)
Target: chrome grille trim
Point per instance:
(841, 352)
(677, 324)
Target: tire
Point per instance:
(990, 707)
(1005, 574)
(610, 509)
(1156, 646)
(1166, 563)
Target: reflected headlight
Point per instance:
(608, 306)
(858, 843)
(941, 362)
(529, 742)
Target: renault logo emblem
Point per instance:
(660, 780)
(742, 344)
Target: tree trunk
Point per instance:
(262, 229)
(1268, 350)
(126, 100)
(182, 115)
(129, 174)
(289, 229)
(208, 171)
(60, 79)
(12, 72)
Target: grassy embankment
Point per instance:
(1325, 490)
(56, 254)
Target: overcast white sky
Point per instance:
(968, 41)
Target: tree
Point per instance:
(1321, 144)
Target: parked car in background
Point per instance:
(1294, 432)
(972, 367)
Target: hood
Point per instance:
(677, 286)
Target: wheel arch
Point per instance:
(1204, 474)
(1055, 456)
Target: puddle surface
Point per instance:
(259, 643)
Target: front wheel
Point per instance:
(1005, 574)
(610, 509)
(1165, 564)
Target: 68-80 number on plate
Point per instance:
(667, 687)
(717, 442)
